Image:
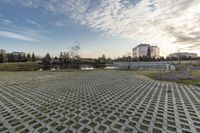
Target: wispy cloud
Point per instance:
(33, 23)
(4, 21)
(152, 21)
(11, 29)
(59, 23)
(17, 36)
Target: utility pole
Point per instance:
(179, 56)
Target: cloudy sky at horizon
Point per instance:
(112, 27)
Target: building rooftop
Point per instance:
(140, 45)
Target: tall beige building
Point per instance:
(155, 52)
(146, 50)
(141, 50)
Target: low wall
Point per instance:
(144, 65)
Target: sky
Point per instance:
(110, 27)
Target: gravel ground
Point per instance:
(97, 101)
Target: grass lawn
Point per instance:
(19, 66)
(31, 76)
(195, 73)
(189, 81)
(154, 74)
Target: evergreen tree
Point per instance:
(47, 58)
(67, 55)
(1, 58)
(103, 58)
(33, 58)
(18, 58)
(47, 61)
(24, 59)
(28, 57)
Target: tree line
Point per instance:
(66, 60)
(69, 59)
(17, 57)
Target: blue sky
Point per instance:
(112, 27)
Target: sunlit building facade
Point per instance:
(155, 52)
(146, 50)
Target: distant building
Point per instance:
(155, 52)
(18, 54)
(183, 54)
(146, 50)
(2, 51)
(141, 50)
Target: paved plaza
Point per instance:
(96, 101)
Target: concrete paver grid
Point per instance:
(99, 102)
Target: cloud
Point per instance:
(4, 21)
(162, 22)
(33, 22)
(59, 23)
(7, 1)
(11, 29)
(16, 36)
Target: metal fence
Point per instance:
(144, 65)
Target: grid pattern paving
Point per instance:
(99, 101)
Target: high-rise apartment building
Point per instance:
(146, 50)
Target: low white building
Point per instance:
(183, 54)
(18, 53)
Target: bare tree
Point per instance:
(74, 52)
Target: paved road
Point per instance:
(97, 102)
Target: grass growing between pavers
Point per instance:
(32, 76)
(122, 99)
(155, 74)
